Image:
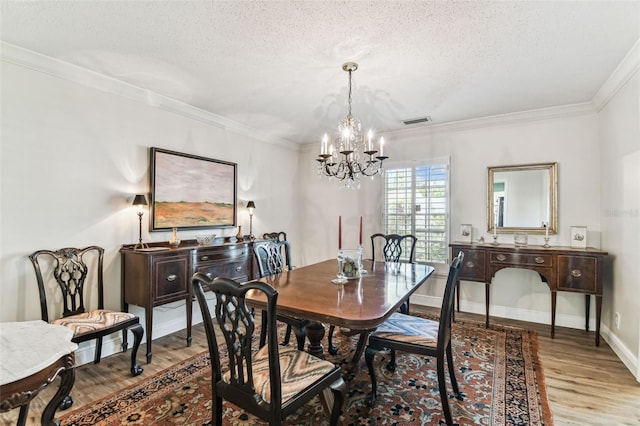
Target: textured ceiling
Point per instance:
(276, 66)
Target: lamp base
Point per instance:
(141, 246)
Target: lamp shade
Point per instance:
(251, 205)
(140, 200)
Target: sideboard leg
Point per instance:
(598, 312)
(487, 287)
(587, 303)
(554, 295)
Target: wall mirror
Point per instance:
(523, 198)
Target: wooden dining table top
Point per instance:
(362, 303)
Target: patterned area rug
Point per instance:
(498, 372)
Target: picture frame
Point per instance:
(466, 233)
(191, 192)
(578, 237)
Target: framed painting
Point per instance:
(191, 192)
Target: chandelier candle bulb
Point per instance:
(381, 146)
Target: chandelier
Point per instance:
(349, 155)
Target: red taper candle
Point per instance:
(339, 232)
(360, 240)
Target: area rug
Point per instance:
(498, 371)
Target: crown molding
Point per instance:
(45, 64)
(627, 68)
(564, 111)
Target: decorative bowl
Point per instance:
(204, 240)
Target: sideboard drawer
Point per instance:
(577, 273)
(171, 278)
(522, 259)
(472, 265)
(222, 253)
(236, 269)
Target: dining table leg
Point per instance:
(315, 334)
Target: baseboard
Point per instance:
(623, 352)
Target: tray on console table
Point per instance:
(161, 274)
(561, 268)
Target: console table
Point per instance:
(161, 274)
(561, 268)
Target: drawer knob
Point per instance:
(204, 258)
(576, 273)
(501, 257)
(539, 260)
(470, 264)
(239, 268)
(172, 277)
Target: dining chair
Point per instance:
(271, 382)
(419, 336)
(273, 258)
(72, 273)
(392, 251)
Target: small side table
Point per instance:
(32, 355)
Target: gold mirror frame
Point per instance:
(553, 198)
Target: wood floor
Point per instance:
(586, 385)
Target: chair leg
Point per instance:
(217, 412)
(333, 350)
(339, 390)
(137, 331)
(301, 335)
(98, 355)
(287, 336)
(391, 366)
(369, 354)
(442, 386)
(452, 373)
(125, 340)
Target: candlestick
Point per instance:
(360, 239)
(339, 232)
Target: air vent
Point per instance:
(416, 120)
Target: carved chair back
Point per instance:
(394, 247)
(276, 236)
(70, 268)
(272, 257)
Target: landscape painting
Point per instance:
(191, 192)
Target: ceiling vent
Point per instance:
(416, 120)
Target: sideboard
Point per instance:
(561, 268)
(161, 274)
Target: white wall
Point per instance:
(72, 157)
(620, 210)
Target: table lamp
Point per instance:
(251, 206)
(141, 202)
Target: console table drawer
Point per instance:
(576, 273)
(472, 266)
(521, 259)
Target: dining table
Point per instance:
(360, 304)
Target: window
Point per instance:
(416, 202)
